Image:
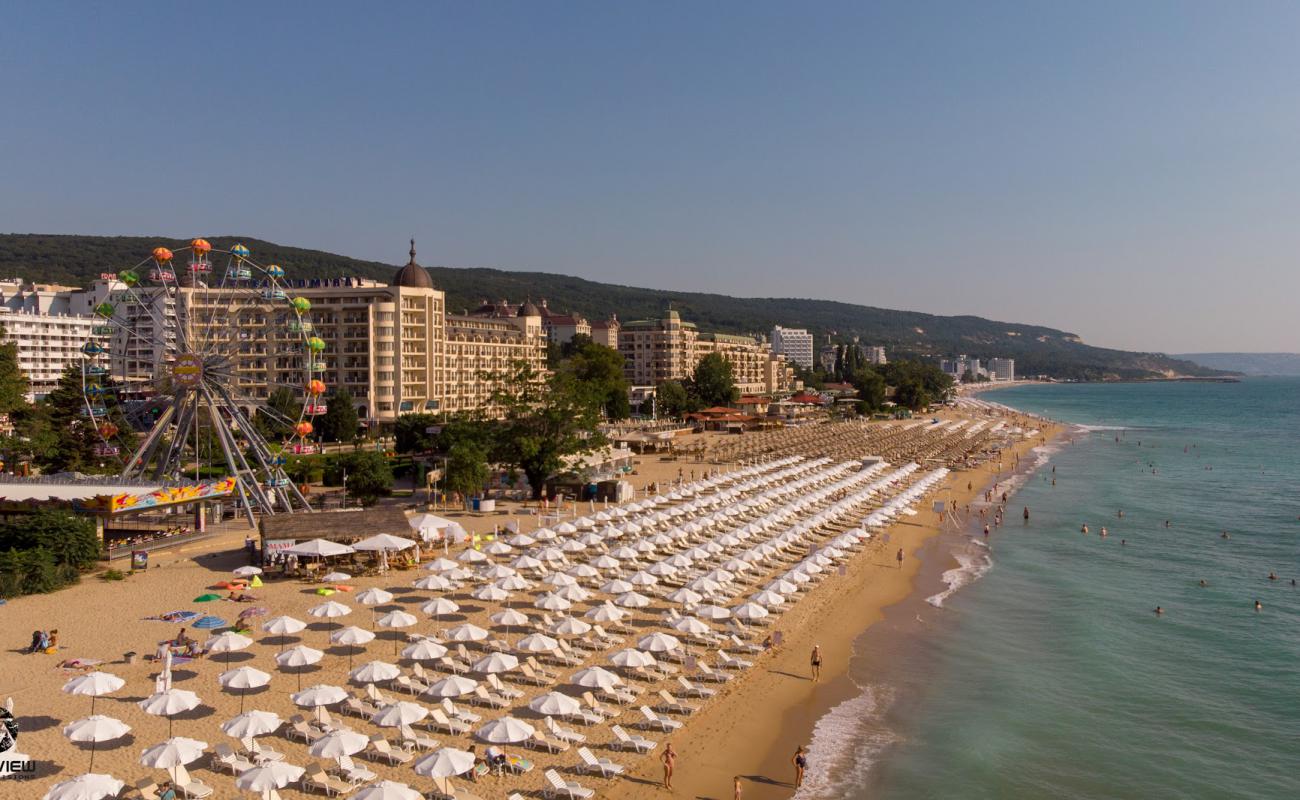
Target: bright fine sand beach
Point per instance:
(798, 499)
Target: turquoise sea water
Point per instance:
(1053, 678)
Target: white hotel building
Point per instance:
(42, 320)
(796, 344)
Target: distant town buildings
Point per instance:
(998, 369)
(796, 344)
(1002, 369)
(44, 323)
(667, 349)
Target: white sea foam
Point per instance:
(973, 563)
(846, 743)
(1091, 428)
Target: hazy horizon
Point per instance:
(1121, 172)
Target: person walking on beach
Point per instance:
(900, 558)
(735, 787)
(800, 762)
(816, 662)
(670, 760)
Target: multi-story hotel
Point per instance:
(49, 334)
(668, 349)
(796, 344)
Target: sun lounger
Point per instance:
(450, 664)
(707, 673)
(559, 787)
(527, 675)
(358, 708)
(456, 712)
(730, 662)
(653, 720)
(592, 764)
(147, 788)
(408, 684)
(380, 747)
(541, 741)
(223, 757)
(618, 695)
(259, 752)
(747, 647)
(542, 672)
(563, 734)
(444, 790)
(440, 722)
(315, 777)
(599, 709)
(299, 728)
(352, 772)
(624, 740)
(694, 689)
(189, 786)
(375, 696)
(482, 696)
(502, 689)
(672, 704)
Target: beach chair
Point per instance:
(728, 662)
(746, 647)
(694, 689)
(607, 640)
(559, 787)
(599, 709)
(440, 722)
(542, 672)
(187, 785)
(147, 788)
(380, 747)
(375, 696)
(672, 704)
(463, 652)
(299, 728)
(707, 673)
(358, 708)
(624, 740)
(496, 645)
(315, 777)
(653, 720)
(558, 656)
(592, 764)
(541, 741)
(449, 664)
(527, 675)
(502, 689)
(618, 695)
(223, 757)
(563, 734)
(456, 712)
(352, 772)
(490, 700)
(260, 753)
(443, 790)
(409, 684)
(412, 740)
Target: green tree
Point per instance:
(13, 381)
(369, 476)
(712, 383)
(599, 370)
(467, 468)
(871, 389)
(544, 420)
(339, 423)
(275, 422)
(672, 400)
(412, 433)
(75, 436)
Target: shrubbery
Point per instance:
(45, 551)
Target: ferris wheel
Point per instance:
(205, 366)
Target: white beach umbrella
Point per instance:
(631, 658)
(769, 598)
(374, 672)
(400, 713)
(566, 528)
(452, 686)
(559, 579)
(95, 729)
(283, 626)
(750, 611)
(573, 546)
(251, 723)
(169, 703)
(685, 596)
(783, 586)
(526, 562)
(94, 684)
(243, 679)
(496, 662)
(648, 577)
(436, 583)
(521, 540)
(330, 609)
(339, 742)
(424, 650)
(509, 618)
(471, 557)
(319, 548)
(605, 562)
(268, 777)
(617, 586)
(536, 643)
(596, 678)
(441, 564)
(490, 593)
(91, 786)
(659, 642)
(632, 600)
(396, 619)
(570, 626)
(384, 541)
(625, 553)
(513, 583)
(374, 596)
(605, 612)
(691, 626)
(228, 642)
(506, 730)
(497, 548)
(387, 790)
(552, 602)
(439, 606)
(299, 656)
(467, 632)
(321, 694)
(497, 572)
(574, 594)
(336, 577)
(247, 571)
(555, 704)
(544, 535)
(175, 752)
(712, 612)
(352, 636)
(445, 762)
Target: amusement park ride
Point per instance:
(219, 307)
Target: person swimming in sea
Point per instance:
(1104, 532)
(1084, 529)
(1204, 583)
(1259, 606)
(1159, 611)
(1272, 576)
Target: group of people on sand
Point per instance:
(44, 642)
(669, 759)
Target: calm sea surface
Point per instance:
(1050, 676)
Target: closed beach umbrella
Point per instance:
(251, 723)
(92, 786)
(243, 678)
(506, 730)
(94, 684)
(446, 762)
(555, 704)
(424, 650)
(374, 672)
(496, 662)
(175, 752)
(400, 713)
(659, 643)
(341, 742)
(467, 632)
(387, 790)
(439, 606)
(169, 703)
(596, 678)
(95, 729)
(452, 686)
(268, 777)
(536, 643)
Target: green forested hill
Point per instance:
(76, 260)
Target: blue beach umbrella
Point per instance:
(209, 623)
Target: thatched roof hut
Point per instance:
(338, 526)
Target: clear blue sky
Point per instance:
(1129, 171)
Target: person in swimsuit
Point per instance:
(800, 761)
(735, 787)
(670, 760)
(816, 662)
